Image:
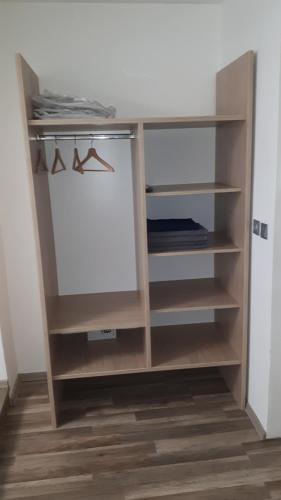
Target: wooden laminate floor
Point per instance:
(173, 436)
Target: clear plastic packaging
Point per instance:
(51, 105)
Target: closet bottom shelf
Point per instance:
(173, 348)
(75, 357)
(191, 346)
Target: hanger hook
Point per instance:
(39, 142)
(92, 141)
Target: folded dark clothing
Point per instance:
(171, 234)
(163, 225)
(156, 247)
(177, 237)
(176, 243)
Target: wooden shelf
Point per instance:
(217, 243)
(128, 123)
(97, 311)
(191, 189)
(189, 295)
(191, 346)
(83, 124)
(173, 347)
(190, 121)
(75, 357)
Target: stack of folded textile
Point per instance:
(50, 105)
(175, 234)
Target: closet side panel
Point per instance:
(233, 166)
(40, 183)
(41, 209)
(141, 231)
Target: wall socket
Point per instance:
(260, 229)
(264, 231)
(102, 335)
(256, 227)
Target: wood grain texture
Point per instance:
(173, 347)
(96, 311)
(95, 124)
(192, 189)
(191, 121)
(235, 87)
(76, 357)
(140, 216)
(191, 346)
(189, 295)
(41, 213)
(217, 243)
(174, 436)
(128, 123)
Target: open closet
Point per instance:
(152, 333)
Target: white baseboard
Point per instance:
(255, 421)
(4, 397)
(33, 377)
(25, 377)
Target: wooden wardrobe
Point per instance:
(140, 347)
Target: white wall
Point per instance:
(274, 411)
(145, 59)
(8, 362)
(258, 24)
(3, 370)
(94, 222)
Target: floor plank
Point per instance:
(171, 436)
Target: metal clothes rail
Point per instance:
(82, 137)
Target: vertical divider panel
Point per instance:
(41, 212)
(235, 85)
(138, 168)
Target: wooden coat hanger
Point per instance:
(58, 160)
(40, 162)
(76, 165)
(92, 153)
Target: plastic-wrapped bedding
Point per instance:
(51, 105)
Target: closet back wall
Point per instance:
(144, 59)
(93, 220)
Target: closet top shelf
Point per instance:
(128, 123)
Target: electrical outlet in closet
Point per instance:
(102, 335)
